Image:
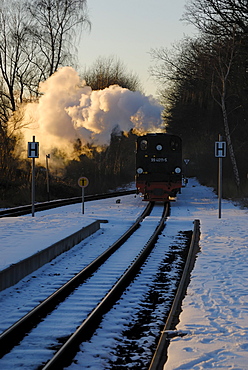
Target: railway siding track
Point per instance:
(24, 210)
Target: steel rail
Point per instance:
(160, 354)
(23, 210)
(13, 335)
(67, 352)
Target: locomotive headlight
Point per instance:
(140, 170)
(159, 147)
(177, 170)
(143, 144)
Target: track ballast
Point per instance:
(147, 297)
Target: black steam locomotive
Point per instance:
(159, 166)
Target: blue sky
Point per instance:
(129, 29)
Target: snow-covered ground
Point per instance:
(23, 236)
(215, 309)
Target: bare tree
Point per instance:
(181, 70)
(223, 60)
(200, 69)
(226, 21)
(14, 64)
(56, 26)
(226, 15)
(14, 72)
(36, 37)
(110, 71)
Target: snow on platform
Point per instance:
(23, 236)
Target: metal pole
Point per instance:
(33, 182)
(220, 181)
(47, 177)
(82, 200)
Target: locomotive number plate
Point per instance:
(159, 160)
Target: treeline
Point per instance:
(204, 89)
(106, 169)
(206, 93)
(36, 38)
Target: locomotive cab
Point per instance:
(158, 166)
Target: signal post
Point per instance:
(220, 152)
(83, 182)
(33, 152)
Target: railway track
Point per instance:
(91, 295)
(13, 335)
(17, 331)
(23, 210)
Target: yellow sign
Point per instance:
(83, 182)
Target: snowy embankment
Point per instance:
(215, 309)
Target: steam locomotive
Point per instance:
(158, 166)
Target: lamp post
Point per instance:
(47, 177)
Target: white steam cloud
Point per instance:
(69, 110)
